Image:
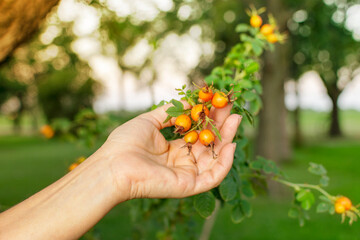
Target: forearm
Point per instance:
(67, 208)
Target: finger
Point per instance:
(158, 116)
(214, 176)
(219, 115)
(228, 131)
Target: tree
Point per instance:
(19, 21)
(273, 140)
(321, 43)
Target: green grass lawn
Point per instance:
(28, 164)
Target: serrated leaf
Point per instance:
(246, 207)
(322, 207)
(204, 204)
(228, 188)
(174, 112)
(247, 189)
(317, 169)
(236, 214)
(177, 104)
(242, 28)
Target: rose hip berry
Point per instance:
(182, 123)
(345, 202)
(199, 111)
(190, 139)
(255, 21)
(267, 29)
(220, 100)
(206, 137)
(205, 94)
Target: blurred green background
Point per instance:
(120, 57)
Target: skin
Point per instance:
(130, 164)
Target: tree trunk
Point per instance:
(335, 130)
(272, 140)
(19, 19)
(297, 112)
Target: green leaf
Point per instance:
(246, 207)
(306, 197)
(258, 88)
(256, 165)
(228, 188)
(217, 133)
(249, 96)
(293, 212)
(204, 204)
(257, 48)
(167, 119)
(177, 104)
(174, 112)
(317, 169)
(244, 83)
(324, 181)
(252, 67)
(323, 207)
(236, 214)
(247, 189)
(242, 28)
(187, 206)
(249, 116)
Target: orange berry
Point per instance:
(267, 29)
(199, 112)
(345, 202)
(191, 137)
(339, 208)
(47, 131)
(182, 123)
(205, 94)
(206, 137)
(255, 21)
(219, 100)
(73, 166)
(272, 38)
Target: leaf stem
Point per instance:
(295, 186)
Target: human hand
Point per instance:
(145, 165)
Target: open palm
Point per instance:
(157, 168)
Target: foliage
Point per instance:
(238, 78)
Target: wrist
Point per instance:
(118, 182)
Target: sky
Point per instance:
(124, 91)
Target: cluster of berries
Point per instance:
(269, 30)
(193, 124)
